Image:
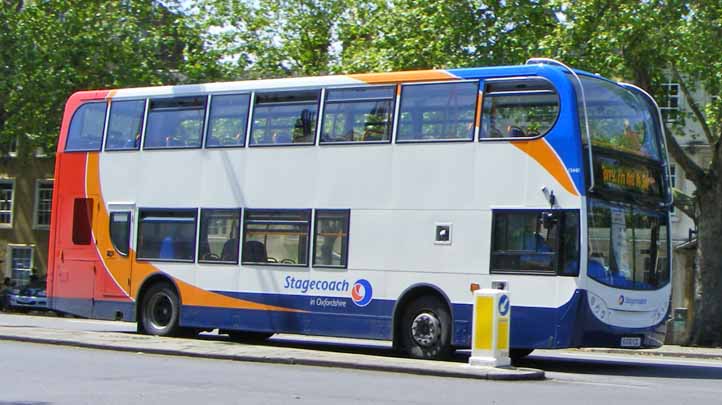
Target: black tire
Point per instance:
(425, 329)
(248, 337)
(519, 354)
(160, 311)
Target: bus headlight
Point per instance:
(599, 307)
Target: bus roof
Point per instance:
(329, 80)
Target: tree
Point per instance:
(50, 49)
(271, 38)
(647, 41)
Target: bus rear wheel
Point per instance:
(426, 329)
(160, 310)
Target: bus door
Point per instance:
(76, 259)
(118, 253)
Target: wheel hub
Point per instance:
(161, 311)
(426, 329)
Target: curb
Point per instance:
(416, 367)
(661, 354)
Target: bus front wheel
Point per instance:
(426, 329)
(160, 310)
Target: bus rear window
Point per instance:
(86, 128)
(439, 111)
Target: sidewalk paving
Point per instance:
(212, 347)
(688, 352)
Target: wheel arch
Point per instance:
(150, 281)
(408, 295)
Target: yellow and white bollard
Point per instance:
(490, 328)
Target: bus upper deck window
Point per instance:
(518, 108)
(175, 123)
(438, 111)
(125, 125)
(228, 120)
(359, 114)
(287, 117)
(86, 128)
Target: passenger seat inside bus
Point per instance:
(254, 252)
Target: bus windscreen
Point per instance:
(621, 120)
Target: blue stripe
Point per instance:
(97, 309)
(564, 138)
(571, 325)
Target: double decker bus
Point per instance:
(368, 206)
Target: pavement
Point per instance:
(689, 352)
(287, 349)
(284, 349)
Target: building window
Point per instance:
(669, 104)
(278, 237)
(43, 204)
(535, 242)
(285, 118)
(359, 114)
(165, 234)
(439, 111)
(331, 238)
(7, 194)
(86, 128)
(219, 241)
(175, 123)
(21, 264)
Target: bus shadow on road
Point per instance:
(362, 347)
(657, 367)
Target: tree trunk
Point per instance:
(707, 328)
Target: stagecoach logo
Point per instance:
(503, 305)
(362, 292)
(631, 301)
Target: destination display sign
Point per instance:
(620, 175)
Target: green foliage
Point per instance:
(268, 38)
(50, 49)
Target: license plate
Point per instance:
(631, 342)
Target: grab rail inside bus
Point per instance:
(670, 195)
(549, 61)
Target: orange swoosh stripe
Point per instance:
(540, 151)
(120, 269)
(410, 76)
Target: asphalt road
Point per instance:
(42, 374)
